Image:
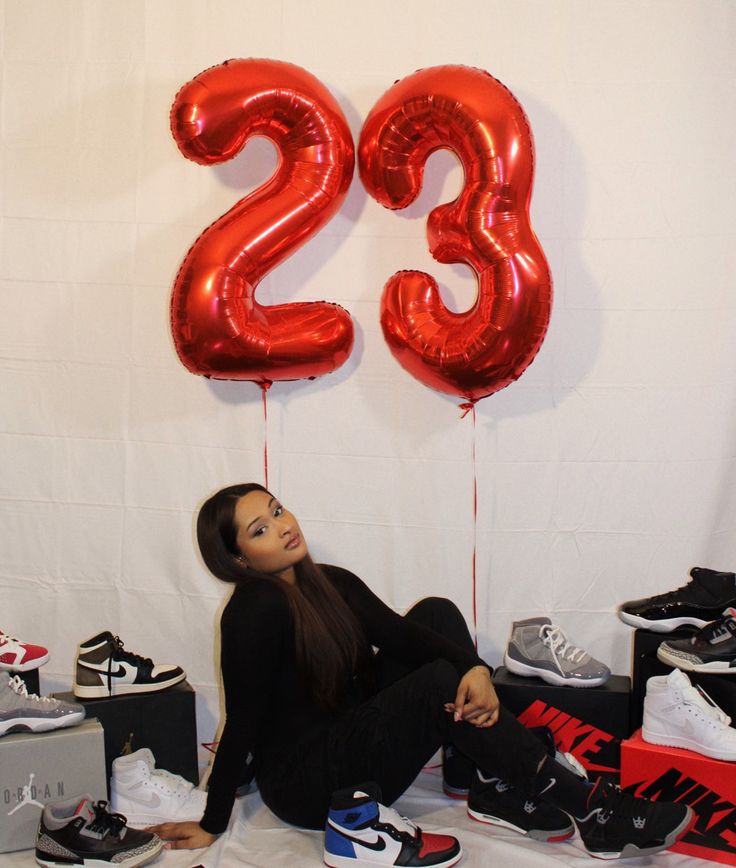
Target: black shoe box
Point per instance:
(164, 722)
(30, 679)
(588, 722)
(720, 688)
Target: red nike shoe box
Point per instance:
(708, 786)
(163, 721)
(588, 722)
(721, 688)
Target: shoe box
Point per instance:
(707, 785)
(720, 688)
(588, 722)
(36, 768)
(163, 721)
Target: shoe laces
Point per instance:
(120, 653)
(559, 644)
(695, 695)
(721, 627)
(176, 783)
(17, 685)
(408, 830)
(105, 821)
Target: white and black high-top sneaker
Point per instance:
(78, 832)
(362, 831)
(104, 668)
(695, 604)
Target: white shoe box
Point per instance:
(43, 767)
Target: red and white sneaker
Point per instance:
(18, 656)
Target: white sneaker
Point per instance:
(678, 714)
(147, 795)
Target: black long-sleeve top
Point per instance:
(269, 712)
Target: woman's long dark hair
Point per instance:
(330, 646)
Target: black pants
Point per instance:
(392, 736)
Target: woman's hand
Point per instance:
(183, 836)
(476, 701)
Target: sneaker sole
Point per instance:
(101, 692)
(133, 861)
(631, 850)
(683, 743)
(720, 667)
(28, 666)
(39, 724)
(350, 862)
(534, 834)
(551, 677)
(458, 793)
(664, 626)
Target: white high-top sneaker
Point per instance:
(147, 795)
(678, 714)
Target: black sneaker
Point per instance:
(619, 825)
(104, 668)
(78, 832)
(700, 601)
(495, 802)
(712, 649)
(457, 773)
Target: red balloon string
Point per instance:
(469, 407)
(264, 388)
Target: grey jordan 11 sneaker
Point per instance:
(21, 711)
(539, 648)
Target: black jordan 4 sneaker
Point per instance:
(618, 825)
(712, 649)
(695, 604)
(493, 801)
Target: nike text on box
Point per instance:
(589, 724)
(708, 786)
(164, 722)
(721, 688)
(36, 769)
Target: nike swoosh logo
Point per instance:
(122, 670)
(377, 845)
(552, 782)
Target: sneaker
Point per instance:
(495, 802)
(619, 825)
(711, 649)
(538, 647)
(678, 714)
(104, 668)
(21, 711)
(19, 656)
(362, 831)
(457, 773)
(147, 795)
(700, 601)
(80, 832)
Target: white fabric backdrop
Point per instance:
(605, 473)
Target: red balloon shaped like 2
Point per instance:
(219, 328)
(475, 353)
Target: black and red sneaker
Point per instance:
(493, 801)
(619, 825)
(79, 832)
(695, 604)
(361, 831)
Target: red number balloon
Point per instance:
(219, 328)
(475, 353)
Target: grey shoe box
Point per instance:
(43, 767)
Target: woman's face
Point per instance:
(268, 537)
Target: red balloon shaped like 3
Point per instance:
(219, 328)
(475, 353)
